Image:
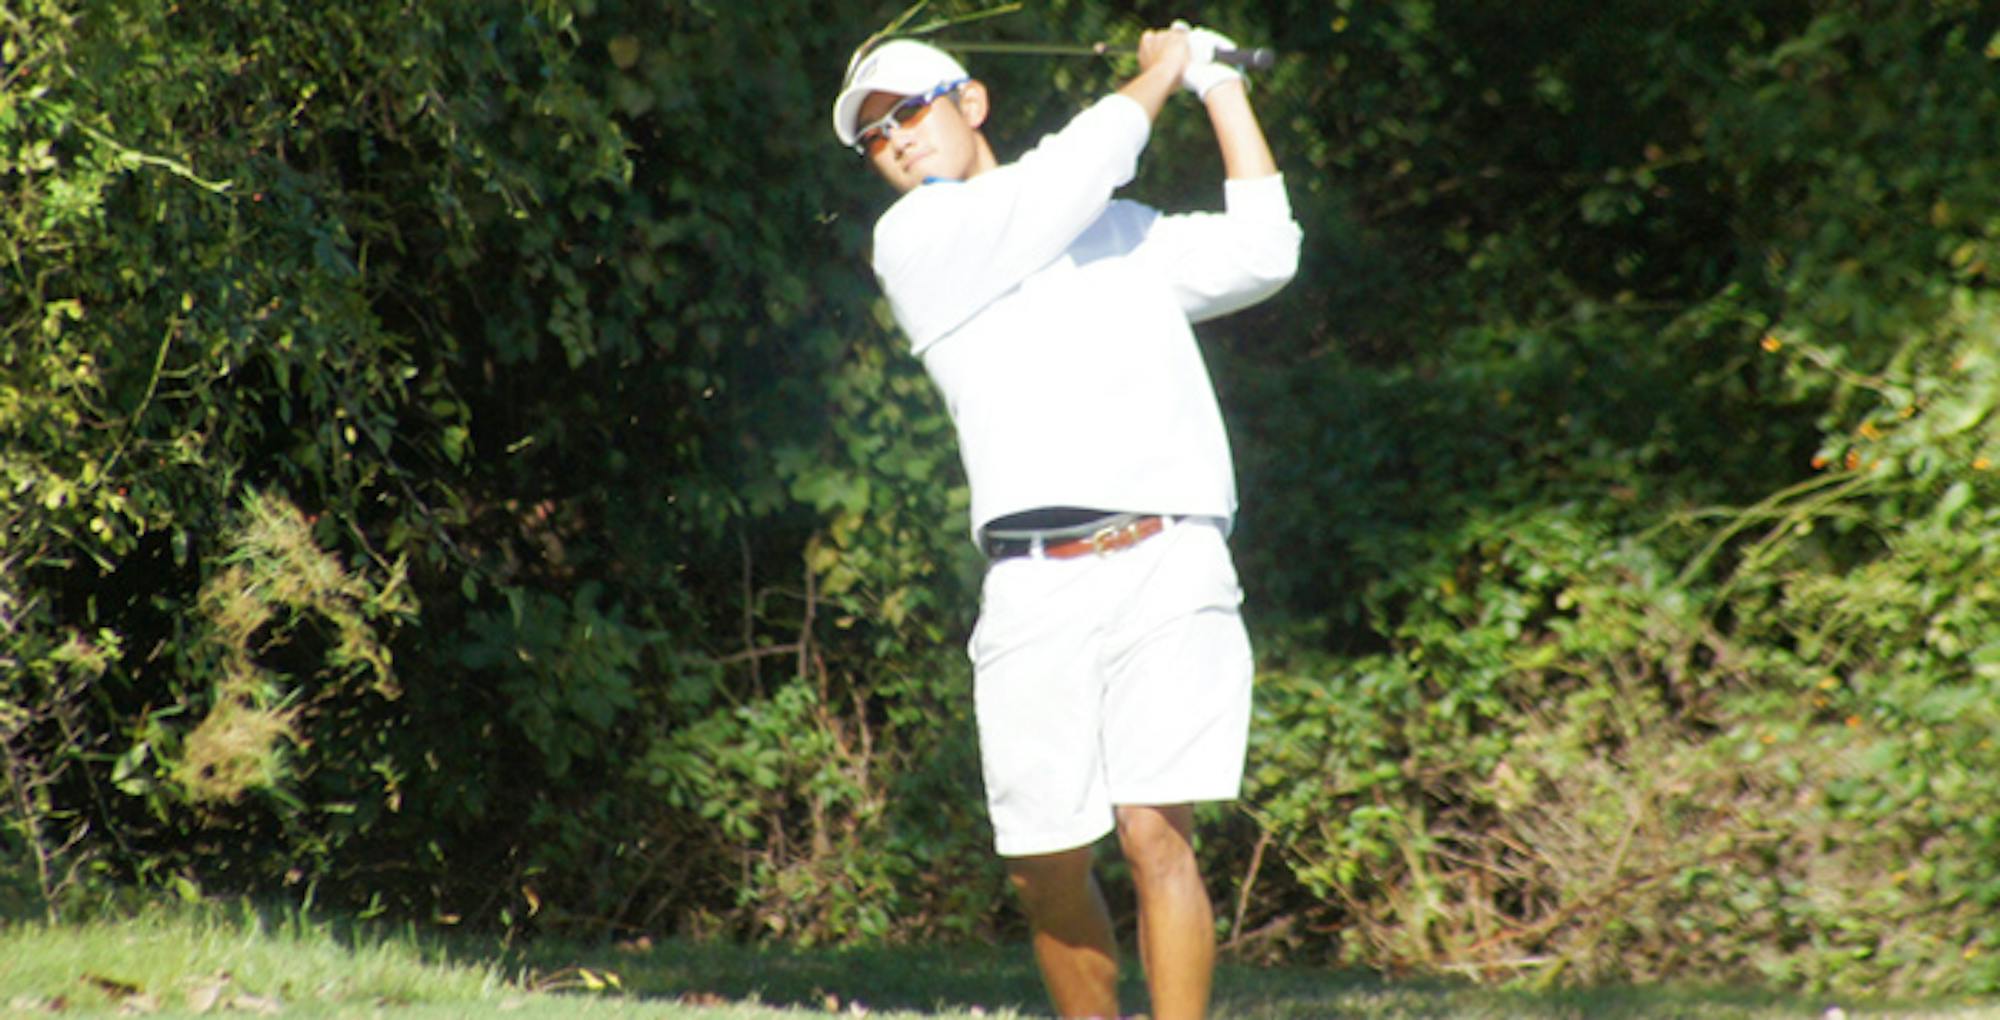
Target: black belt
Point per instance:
(1101, 536)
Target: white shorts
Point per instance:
(1120, 679)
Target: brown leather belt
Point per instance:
(1121, 533)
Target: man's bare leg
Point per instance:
(1176, 920)
(1074, 945)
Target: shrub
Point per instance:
(1677, 666)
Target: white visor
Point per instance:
(900, 67)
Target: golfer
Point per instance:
(1111, 668)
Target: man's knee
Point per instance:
(1158, 842)
(1050, 878)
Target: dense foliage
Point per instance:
(457, 463)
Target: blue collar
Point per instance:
(934, 179)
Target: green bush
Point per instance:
(1675, 666)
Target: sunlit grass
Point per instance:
(164, 960)
(213, 962)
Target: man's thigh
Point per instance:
(1038, 701)
(1176, 711)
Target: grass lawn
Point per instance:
(173, 964)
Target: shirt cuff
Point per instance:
(1128, 116)
(1259, 197)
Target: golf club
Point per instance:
(1257, 58)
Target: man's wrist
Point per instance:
(1228, 89)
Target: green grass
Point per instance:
(181, 963)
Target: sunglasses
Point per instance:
(908, 113)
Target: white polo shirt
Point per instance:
(1055, 320)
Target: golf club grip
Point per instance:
(1256, 59)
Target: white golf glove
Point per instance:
(1204, 72)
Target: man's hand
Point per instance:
(1163, 59)
(1165, 49)
(1203, 71)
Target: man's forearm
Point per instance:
(1245, 153)
(1152, 88)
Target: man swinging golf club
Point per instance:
(1112, 672)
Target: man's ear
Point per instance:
(973, 102)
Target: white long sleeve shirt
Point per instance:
(1055, 320)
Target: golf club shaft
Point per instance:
(1257, 58)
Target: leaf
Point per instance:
(207, 992)
(1955, 499)
(126, 774)
(258, 1004)
(111, 986)
(598, 981)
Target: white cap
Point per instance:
(901, 67)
